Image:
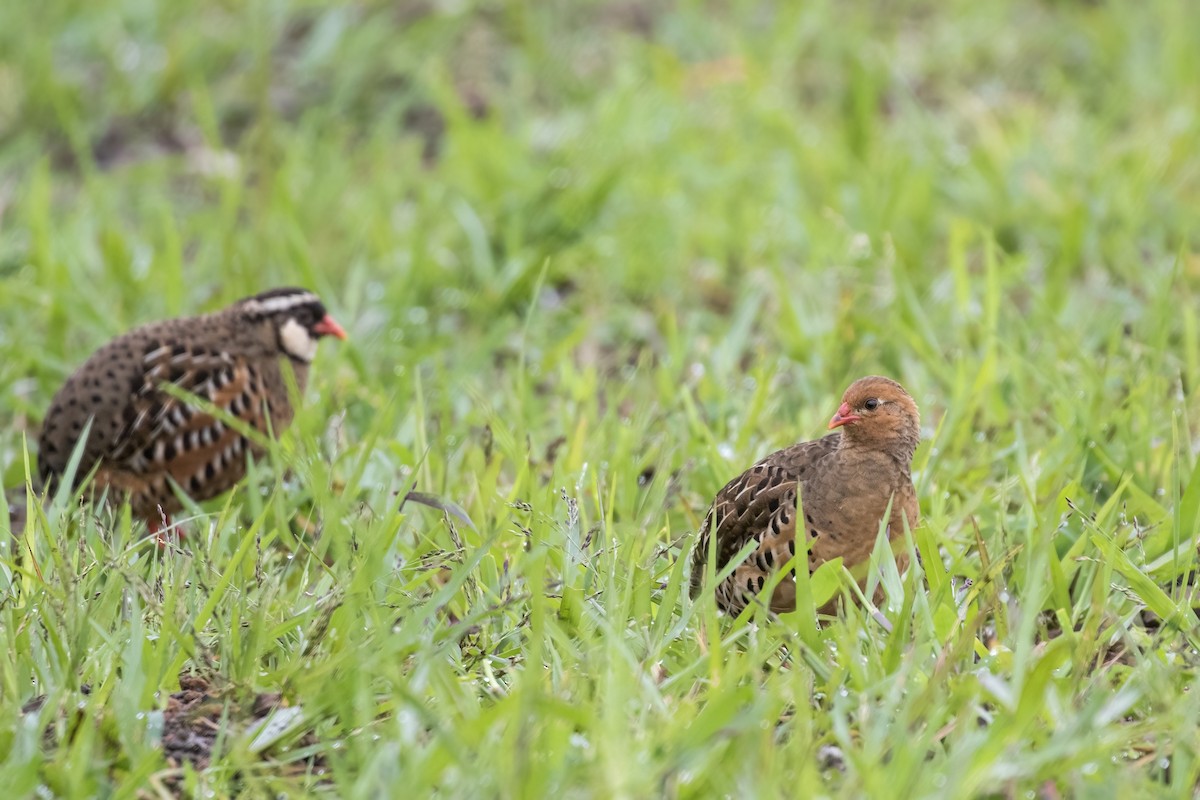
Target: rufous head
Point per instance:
(877, 412)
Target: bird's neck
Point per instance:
(898, 449)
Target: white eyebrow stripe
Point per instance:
(275, 304)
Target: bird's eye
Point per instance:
(871, 404)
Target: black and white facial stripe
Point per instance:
(297, 315)
(280, 301)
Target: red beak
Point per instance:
(329, 327)
(844, 416)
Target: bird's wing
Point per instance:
(163, 429)
(760, 505)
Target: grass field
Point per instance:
(595, 258)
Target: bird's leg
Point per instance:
(157, 527)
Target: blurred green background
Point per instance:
(595, 258)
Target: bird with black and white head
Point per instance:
(145, 443)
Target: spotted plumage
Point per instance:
(845, 480)
(146, 439)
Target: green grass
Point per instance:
(595, 258)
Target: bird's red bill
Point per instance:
(844, 416)
(329, 327)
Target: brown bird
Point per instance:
(145, 443)
(846, 481)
